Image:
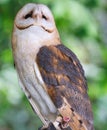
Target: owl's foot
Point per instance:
(61, 123)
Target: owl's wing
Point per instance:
(32, 101)
(66, 85)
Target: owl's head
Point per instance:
(35, 15)
(37, 19)
(34, 27)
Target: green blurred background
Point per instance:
(83, 28)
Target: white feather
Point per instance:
(37, 95)
(36, 109)
(42, 91)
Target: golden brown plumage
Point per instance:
(49, 73)
(66, 84)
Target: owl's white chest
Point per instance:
(29, 75)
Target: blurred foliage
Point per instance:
(83, 28)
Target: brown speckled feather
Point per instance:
(66, 85)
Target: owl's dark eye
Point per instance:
(44, 17)
(29, 15)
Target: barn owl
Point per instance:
(49, 73)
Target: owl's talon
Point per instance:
(58, 122)
(64, 125)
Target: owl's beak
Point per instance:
(43, 27)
